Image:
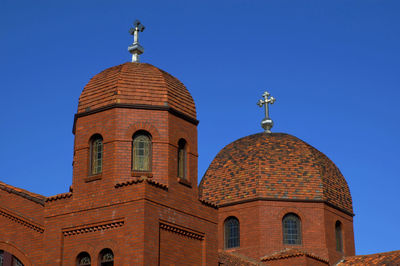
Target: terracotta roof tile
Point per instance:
(136, 83)
(235, 259)
(59, 196)
(292, 252)
(274, 166)
(387, 258)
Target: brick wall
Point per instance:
(261, 228)
(21, 231)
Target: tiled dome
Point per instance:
(274, 166)
(138, 84)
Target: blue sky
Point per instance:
(332, 65)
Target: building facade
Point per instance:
(266, 199)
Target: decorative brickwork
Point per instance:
(274, 166)
(59, 196)
(21, 221)
(181, 230)
(208, 203)
(140, 180)
(93, 228)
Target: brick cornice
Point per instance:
(102, 226)
(23, 221)
(286, 200)
(208, 204)
(181, 230)
(136, 106)
(140, 179)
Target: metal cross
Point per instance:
(135, 48)
(267, 122)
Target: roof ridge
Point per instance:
(165, 83)
(119, 79)
(320, 157)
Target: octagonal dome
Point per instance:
(137, 84)
(274, 166)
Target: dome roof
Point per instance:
(274, 166)
(137, 84)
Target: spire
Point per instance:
(267, 122)
(135, 48)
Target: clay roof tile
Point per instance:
(136, 84)
(274, 166)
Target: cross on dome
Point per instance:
(267, 122)
(135, 48)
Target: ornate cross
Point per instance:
(135, 48)
(266, 123)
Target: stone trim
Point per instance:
(93, 227)
(22, 221)
(181, 230)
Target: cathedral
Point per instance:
(266, 199)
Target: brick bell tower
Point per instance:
(135, 171)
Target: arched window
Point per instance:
(16, 262)
(96, 155)
(83, 259)
(106, 257)
(141, 152)
(291, 229)
(232, 232)
(182, 159)
(339, 236)
(7, 259)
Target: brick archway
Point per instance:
(11, 255)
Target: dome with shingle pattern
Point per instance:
(274, 166)
(138, 84)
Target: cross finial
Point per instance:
(135, 48)
(267, 122)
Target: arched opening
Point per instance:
(291, 226)
(7, 259)
(182, 159)
(83, 259)
(141, 152)
(339, 236)
(232, 232)
(106, 257)
(96, 154)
